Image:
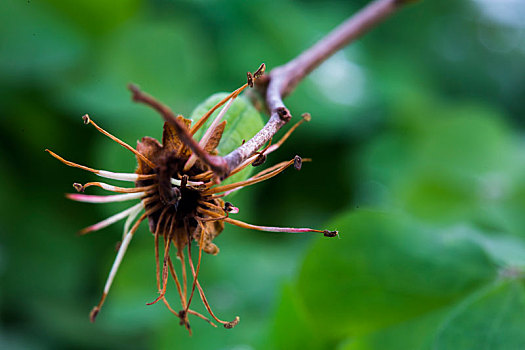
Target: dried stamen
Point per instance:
(88, 120)
(114, 268)
(196, 273)
(233, 323)
(165, 273)
(189, 183)
(108, 187)
(205, 117)
(279, 229)
(250, 181)
(111, 220)
(271, 148)
(214, 216)
(103, 173)
(87, 198)
(177, 283)
(306, 118)
(207, 305)
(328, 233)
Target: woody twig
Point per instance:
(282, 80)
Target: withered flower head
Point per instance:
(178, 185)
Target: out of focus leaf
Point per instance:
(416, 334)
(292, 329)
(492, 319)
(36, 44)
(448, 163)
(393, 279)
(96, 16)
(129, 54)
(386, 269)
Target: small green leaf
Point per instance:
(243, 121)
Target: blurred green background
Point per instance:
(417, 141)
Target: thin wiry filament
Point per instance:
(103, 173)
(205, 117)
(88, 198)
(157, 255)
(88, 120)
(108, 187)
(217, 217)
(111, 220)
(205, 176)
(177, 283)
(207, 305)
(177, 182)
(180, 256)
(306, 118)
(196, 274)
(270, 148)
(249, 182)
(275, 167)
(165, 272)
(130, 219)
(259, 175)
(278, 229)
(120, 255)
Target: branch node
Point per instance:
(283, 113)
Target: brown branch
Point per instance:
(283, 79)
(217, 164)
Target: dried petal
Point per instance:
(151, 149)
(171, 141)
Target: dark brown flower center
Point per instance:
(176, 202)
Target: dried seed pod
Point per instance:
(179, 196)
